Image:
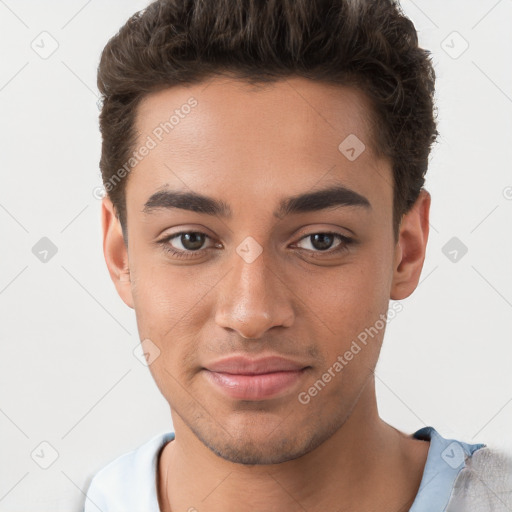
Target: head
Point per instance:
(264, 166)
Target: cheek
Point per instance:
(351, 296)
(172, 304)
(351, 303)
(168, 311)
(166, 296)
(161, 314)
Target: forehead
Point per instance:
(225, 134)
(304, 107)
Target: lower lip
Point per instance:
(254, 387)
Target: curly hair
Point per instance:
(366, 44)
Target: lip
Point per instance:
(243, 378)
(242, 365)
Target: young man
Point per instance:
(264, 163)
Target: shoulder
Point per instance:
(129, 481)
(485, 482)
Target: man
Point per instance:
(264, 166)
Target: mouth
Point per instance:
(255, 386)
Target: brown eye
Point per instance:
(191, 241)
(324, 245)
(320, 242)
(187, 244)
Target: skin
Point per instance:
(252, 147)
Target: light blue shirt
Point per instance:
(129, 483)
(445, 459)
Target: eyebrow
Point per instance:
(334, 196)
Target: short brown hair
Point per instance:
(368, 44)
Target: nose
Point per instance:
(253, 298)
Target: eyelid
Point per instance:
(344, 240)
(313, 229)
(173, 236)
(301, 235)
(165, 242)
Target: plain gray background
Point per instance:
(68, 375)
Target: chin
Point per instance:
(258, 446)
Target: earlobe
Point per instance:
(411, 248)
(116, 252)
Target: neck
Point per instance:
(365, 465)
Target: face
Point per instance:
(284, 246)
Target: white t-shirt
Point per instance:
(458, 477)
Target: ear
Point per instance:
(411, 247)
(115, 251)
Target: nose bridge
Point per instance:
(252, 299)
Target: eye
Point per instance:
(191, 244)
(190, 241)
(323, 242)
(186, 244)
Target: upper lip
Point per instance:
(243, 365)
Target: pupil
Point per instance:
(192, 241)
(322, 241)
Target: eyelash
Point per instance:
(341, 248)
